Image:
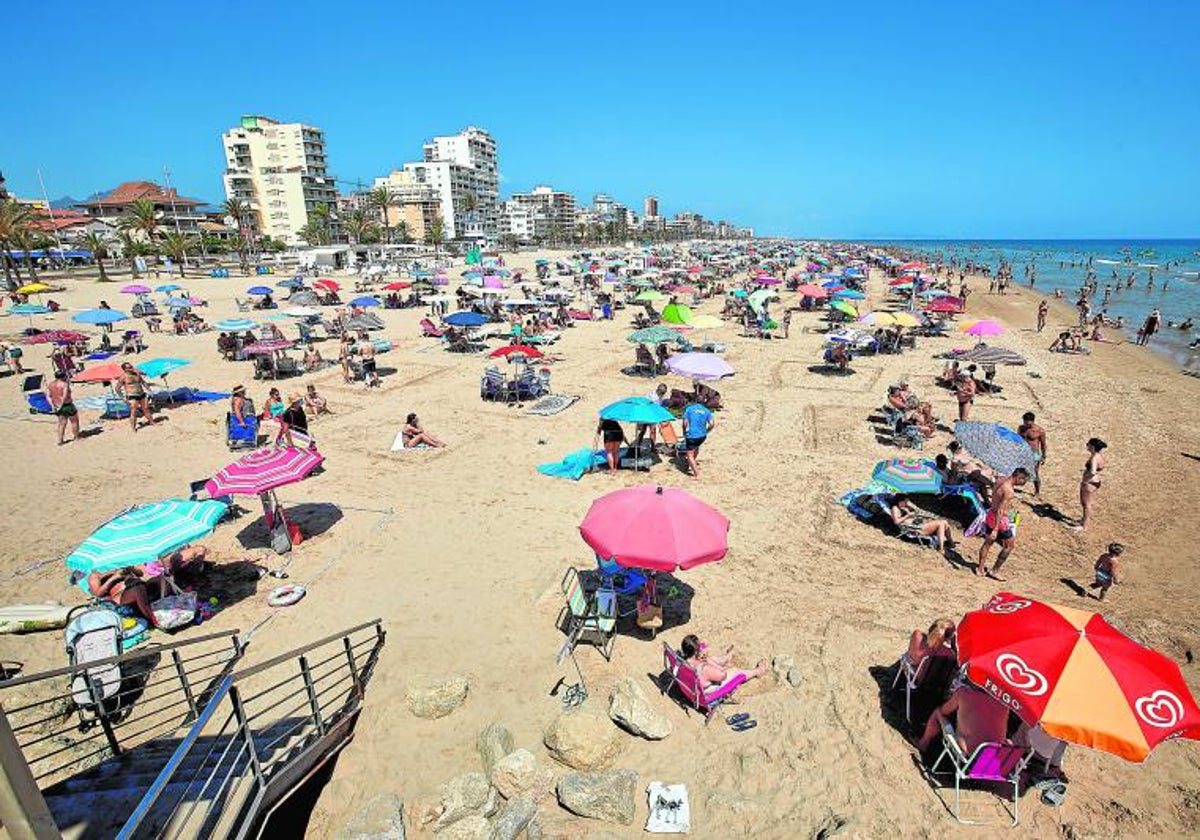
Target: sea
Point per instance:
(1062, 264)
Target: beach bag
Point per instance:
(281, 539)
(175, 611)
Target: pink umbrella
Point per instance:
(493, 283)
(809, 290)
(686, 290)
(945, 304)
(660, 528)
(262, 471)
(984, 328)
(264, 347)
(766, 280)
(135, 289)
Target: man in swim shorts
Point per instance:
(999, 527)
(64, 407)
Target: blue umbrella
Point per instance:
(998, 446)
(852, 294)
(99, 316)
(473, 275)
(636, 410)
(28, 309)
(155, 368)
(465, 319)
(178, 302)
(258, 290)
(145, 533)
(169, 287)
(236, 324)
(364, 301)
(291, 283)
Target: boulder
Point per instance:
(464, 796)
(518, 774)
(473, 827)
(631, 710)
(583, 739)
(434, 697)
(607, 796)
(516, 818)
(494, 742)
(382, 818)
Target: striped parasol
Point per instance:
(145, 533)
(262, 348)
(998, 446)
(908, 476)
(985, 355)
(264, 470)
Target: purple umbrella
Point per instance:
(699, 366)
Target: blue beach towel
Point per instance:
(574, 465)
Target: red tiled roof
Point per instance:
(132, 191)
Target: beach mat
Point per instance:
(398, 444)
(552, 404)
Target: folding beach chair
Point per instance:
(493, 386)
(430, 330)
(587, 618)
(912, 679)
(991, 762)
(691, 687)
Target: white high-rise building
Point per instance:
(558, 208)
(281, 171)
(458, 166)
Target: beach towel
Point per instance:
(574, 465)
(398, 444)
(669, 810)
(552, 404)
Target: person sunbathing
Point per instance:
(124, 587)
(979, 719)
(922, 417)
(315, 403)
(415, 436)
(906, 516)
(896, 399)
(938, 640)
(713, 669)
(312, 358)
(187, 560)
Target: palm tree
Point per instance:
(322, 216)
(403, 232)
(435, 235)
(25, 239)
(240, 211)
(177, 246)
(98, 245)
(141, 217)
(358, 227)
(382, 199)
(313, 233)
(14, 218)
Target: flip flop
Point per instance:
(745, 725)
(734, 720)
(1054, 794)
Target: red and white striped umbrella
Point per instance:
(263, 470)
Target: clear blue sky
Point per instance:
(1015, 119)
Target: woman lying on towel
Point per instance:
(124, 587)
(714, 669)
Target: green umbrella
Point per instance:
(843, 306)
(677, 313)
(649, 296)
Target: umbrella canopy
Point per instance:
(905, 319)
(984, 328)
(291, 283)
(878, 319)
(365, 302)
(154, 368)
(908, 476)
(263, 470)
(661, 528)
(767, 281)
(675, 313)
(516, 350)
(465, 319)
(705, 322)
(654, 335)
(649, 296)
(328, 285)
(1076, 675)
(259, 290)
(54, 335)
(302, 312)
(699, 366)
(636, 410)
(844, 306)
(98, 316)
(849, 294)
(135, 289)
(397, 286)
(178, 302)
(812, 291)
(945, 304)
(33, 289)
(236, 325)
(998, 446)
(901, 281)
(28, 309)
(145, 533)
(260, 348)
(985, 355)
(168, 287)
(99, 373)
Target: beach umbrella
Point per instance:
(740, 293)
(983, 328)
(686, 290)
(699, 366)
(29, 309)
(33, 289)
(145, 533)
(649, 296)
(264, 470)
(302, 312)
(877, 319)
(262, 348)
(636, 410)
(98, 316)
(135, 289)
(913, 265)
(945, 304)
(541, 262)
(291, 283)
(901, 281)
(904, 475)
(660, 528)
(849, 294)
(178, 302)
(705, 322)
(675, 313)
(397, 286)
(998, 446)
(65, 336)
(108, 372)
(327, 285)
(259, 290)
(767, 281)
(809, 290)
(905, 319)
(156, 368)
(168, 287)
(843, 306)
(509, 350)
(236, 325)
(465, 318)
(654, 335)
(1078, 677)
(365, 302)
(985, 355)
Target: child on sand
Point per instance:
(1108, 568)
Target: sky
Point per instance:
(844, 120)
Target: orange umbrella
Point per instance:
(100, 373)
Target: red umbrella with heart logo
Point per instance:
(1078, 676)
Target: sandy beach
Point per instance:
(460, 551)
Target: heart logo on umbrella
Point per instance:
(1020, 676)
(1162, 709)
(1006, 607)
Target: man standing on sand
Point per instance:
(1043, 310)
(999, 529)
(1035, 436)
(697, 423)
(64, 407)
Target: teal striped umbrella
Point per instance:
(908, 476)
(654, 335)
(144, 533)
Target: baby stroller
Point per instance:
(93, 634)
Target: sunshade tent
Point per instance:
(660, 528)
(465, 319)
(1074, 674)
(98, 316)
(654, 335)
(636, 410)
(699, 366)
(145, 533)
(674, 313)
(998, 446)
(264, 470)
(908, 476)
(291, 283)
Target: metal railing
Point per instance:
(264, 730)
(64, 722)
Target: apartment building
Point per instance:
(558, 207)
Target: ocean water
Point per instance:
(1063, 264)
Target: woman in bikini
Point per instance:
(714, 669)
(123, 587)
(133, 389)
(905, 515)
(1090, 482)
(414, 435)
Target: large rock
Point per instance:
(473, 827)
(382, 818)
(631, 710)
(518, 773)
(435, 697)
(583, 739)
(604, 796)
(493, 744)
(464, 796)
(515, 818)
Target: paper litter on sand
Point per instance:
(669, 810)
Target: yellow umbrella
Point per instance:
(705, 322)
(878, 319)
(905, 319)
(33, 288)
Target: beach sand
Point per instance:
(465, 571)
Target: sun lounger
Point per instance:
(990, 762)
(683, 676)
(588, 618)
(39, 403)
